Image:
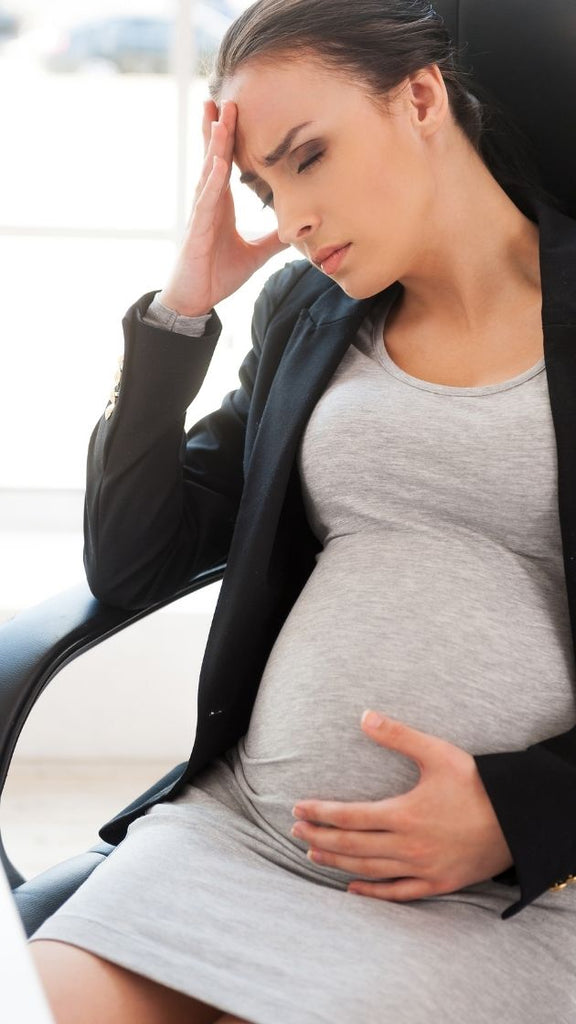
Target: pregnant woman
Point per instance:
(383, 487)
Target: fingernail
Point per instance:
(372, 719)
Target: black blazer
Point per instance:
(162, 505)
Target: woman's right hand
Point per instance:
(214, 260)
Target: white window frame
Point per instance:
(58, 506)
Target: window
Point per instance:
(102, 148)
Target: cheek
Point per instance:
(395, 198)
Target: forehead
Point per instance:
(274, 80)
(272, 99)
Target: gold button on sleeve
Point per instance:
(115, 390)
(562, 885)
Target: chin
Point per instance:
(367, 292)
(380, 285)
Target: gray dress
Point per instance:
(439, 598)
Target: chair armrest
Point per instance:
(37, 642)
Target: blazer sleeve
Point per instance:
(161, 504)
(533, 793)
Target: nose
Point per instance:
(294, 226)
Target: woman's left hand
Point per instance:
(438, 837)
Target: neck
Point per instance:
(480, 257)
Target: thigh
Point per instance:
(82, 986)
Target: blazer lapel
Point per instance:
(558, 270)
(321, 336)
(246, 614)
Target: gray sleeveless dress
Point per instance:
(438, 598)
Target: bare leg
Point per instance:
(86, 989)
(227, 1019)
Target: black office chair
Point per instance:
(521, 53)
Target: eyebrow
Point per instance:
(276, 155)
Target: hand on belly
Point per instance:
(437, 838)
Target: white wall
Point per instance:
(133, 696)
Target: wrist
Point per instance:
(181, 308)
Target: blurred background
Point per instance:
(100, 128)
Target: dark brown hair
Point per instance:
(377, 44)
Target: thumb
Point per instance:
(268, 246)
(396, 735)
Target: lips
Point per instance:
(322, 255)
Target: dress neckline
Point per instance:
(382, 355)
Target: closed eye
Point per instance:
(303, 167)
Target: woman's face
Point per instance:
(353, 174)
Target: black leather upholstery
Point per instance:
(39, 897)
(522, 53)
(34, 646)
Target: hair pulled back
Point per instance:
(377, 44)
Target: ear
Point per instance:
(427, 99)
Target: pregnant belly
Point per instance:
(480, 658)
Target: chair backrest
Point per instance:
(523, 52)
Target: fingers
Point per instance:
(385, 845)
(271, 244)
(206, 201)
(229, 117)
(219, 139)
(211, 140)
(210, 115)
(402, 891)
(368, 867)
